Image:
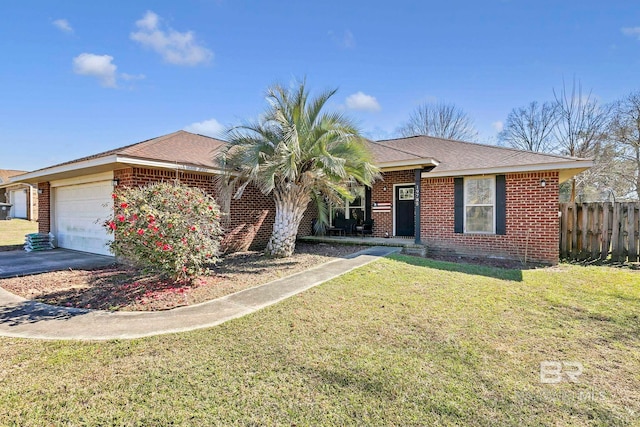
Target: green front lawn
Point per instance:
(403, 341)
(12, 232)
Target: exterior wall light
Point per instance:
(543, 183)
(115, 182)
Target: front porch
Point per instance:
(407, 244)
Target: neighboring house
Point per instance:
(450, 195)
(23, 197)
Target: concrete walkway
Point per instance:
(27, 319)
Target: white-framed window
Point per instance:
(480, 205)
(350, 210)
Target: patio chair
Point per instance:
(366, 228)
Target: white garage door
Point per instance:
(19, 200)
(79, 211)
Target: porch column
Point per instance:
(418, 179)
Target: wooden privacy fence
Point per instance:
(599, 230)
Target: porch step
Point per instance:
(408, 245)
(415, 250)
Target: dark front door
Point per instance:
(405, 213)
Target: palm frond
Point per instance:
(296, 142)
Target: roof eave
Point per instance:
(100, 164)
(567, 169)
(160, 164)
(103, 164)
(399, 165)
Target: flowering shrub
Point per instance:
(169, 228)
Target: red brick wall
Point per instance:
(44, 207)
(532, 219)
(310, 214)
(383, 221)
(251, 217)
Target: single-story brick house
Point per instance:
(23, 197)
(450, 195)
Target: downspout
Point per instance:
(416, 201)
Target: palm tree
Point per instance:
(298, 153)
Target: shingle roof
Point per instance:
(383, 153)
(458, 155)
(5, 174)
(179, 147)
(185, 148)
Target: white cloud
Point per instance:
(631, 31)
(174, 47)
(497, 126)
(362, 101)
(99, 66)
(63, 25)
(345, 40)
(210, 127)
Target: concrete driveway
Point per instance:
(21, 263)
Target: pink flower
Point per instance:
(140, 231)
(112, 225)
(121, 218)
(114, 196)
(166, 247)
(135, 217)
(193, 228)
(124, 205)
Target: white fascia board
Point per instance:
(405, 163)
(167, 165)
(34, 176)
(573, 164)
(12, 184)
(114, 159)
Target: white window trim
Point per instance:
(493, 193)
(347, 209)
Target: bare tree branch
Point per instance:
(582, 124)
(625, 132)
(441, 120)
(531, 127)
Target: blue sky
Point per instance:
(80, 77)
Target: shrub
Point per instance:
(168, 228)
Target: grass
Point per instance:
(403, 341)
(12, 232)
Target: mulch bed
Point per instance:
(119, 287)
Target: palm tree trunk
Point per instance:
(290, 207)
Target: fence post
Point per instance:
(574, 231)
(594, 228)
(615, 233)
(606, 230)
(564, 222)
